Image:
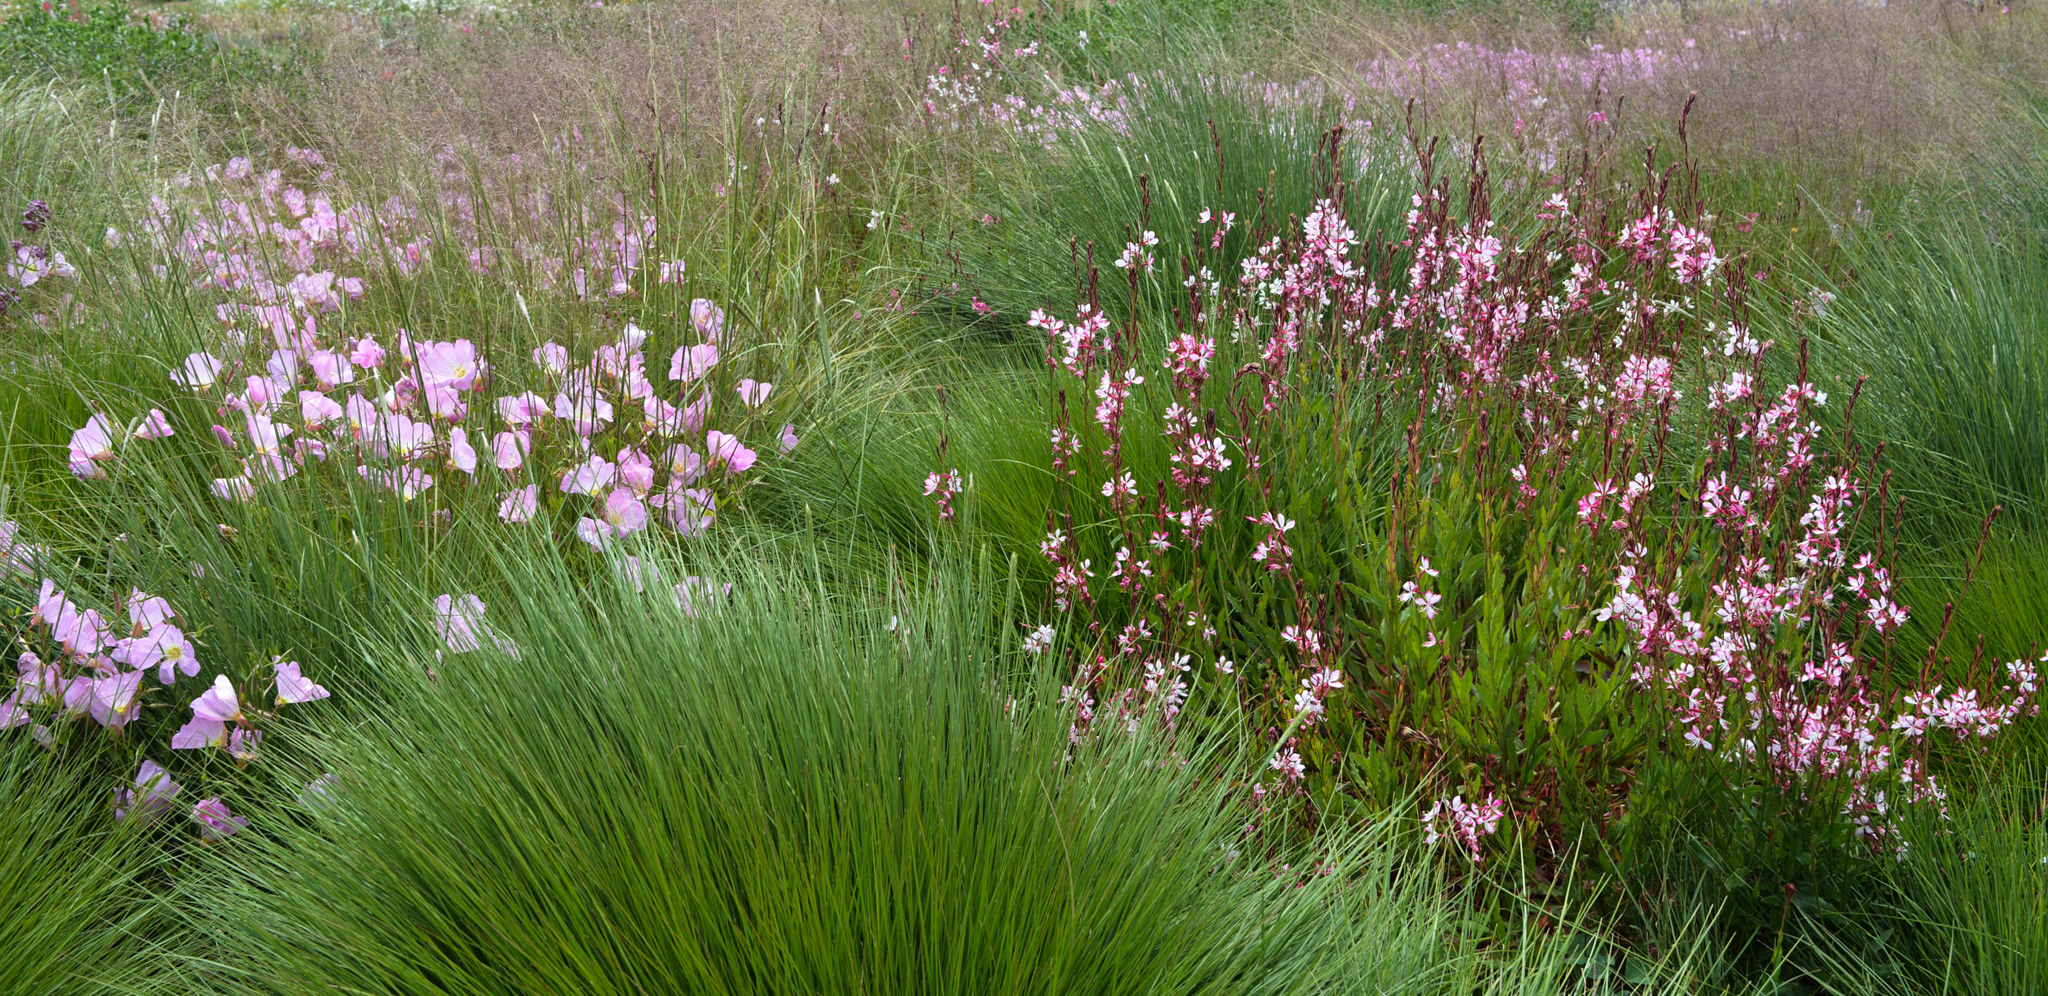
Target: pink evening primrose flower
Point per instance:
(198, 372)
(164, 647)
(694, 588)
(519, 506)
(215, 820)
(522, 409)
(116, 699)
(461, 455)
(155, 426)
(90, 445)
(552, 357)
(367, 353)
(636, 470)
(211, 714)
(292, 687)
(449, 364)
(693, 362)
(146, 611)
(688, 510)
(150, 797)
(317, 409)
(724, 448)
(589, 477)
(459, 619)
(509, 448)
(708, 319)
(622, 515)
(331, 369)
(233, 489)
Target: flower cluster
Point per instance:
(285, 247)
(1539, 374)
(92, 666)
(394, 415)
(1456, 820)
(32, 263)
(1548, 103)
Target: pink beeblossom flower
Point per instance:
(1288, 762)
(753, 392)
(1463, 822)
(943, 487)
(787, 441)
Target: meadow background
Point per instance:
(1167, 496)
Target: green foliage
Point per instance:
(136, 63)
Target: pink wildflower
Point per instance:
(519, 506)
(215, 821)
(154, 426)
(292, 687)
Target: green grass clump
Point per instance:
(789, 791)
(1946, 322)
(70, 901)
